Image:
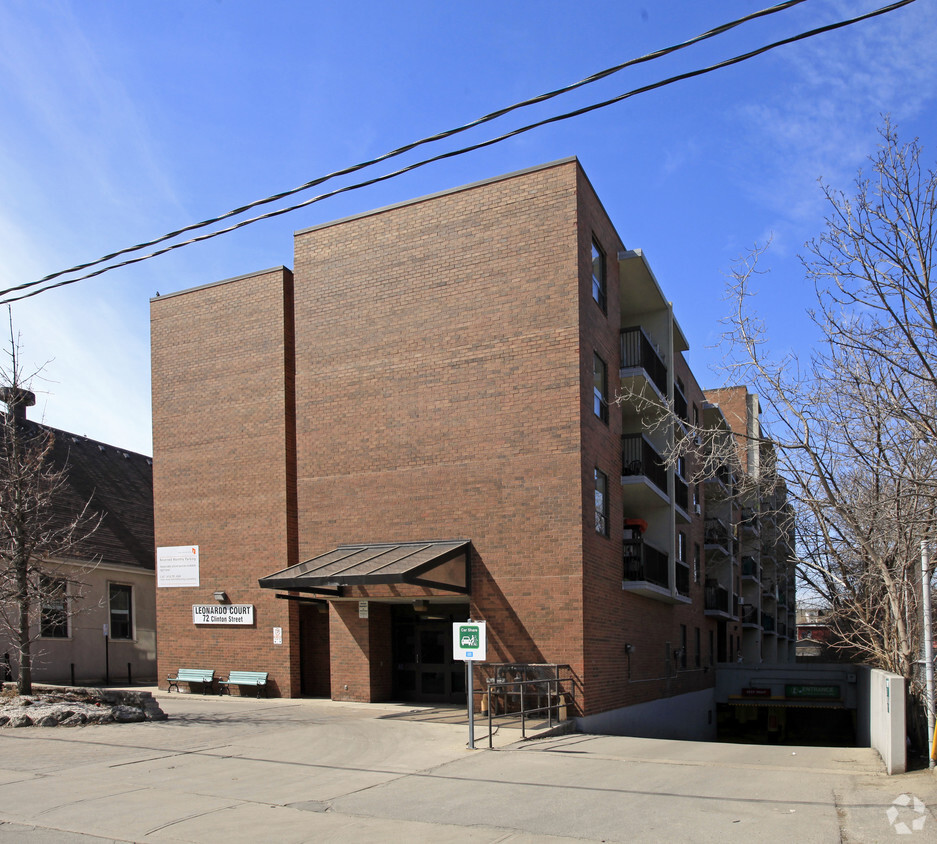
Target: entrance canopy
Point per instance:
(439, 565)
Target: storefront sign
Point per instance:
(469, 641)
(222, 613)
(177, 565)
(756, 692)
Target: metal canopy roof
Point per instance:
(437, 564)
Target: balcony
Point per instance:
(638, 352)
(717, 601)
(748, 615)
(750, 568)
(749, 523)
(782, 629)
(647, 572)
(767, 622)
(681, 497)
(640, 460)
(682, 575)
(716, 536)
(680, 405)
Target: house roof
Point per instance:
(117, 484)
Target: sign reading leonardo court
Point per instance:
(222, 613)
(469, 641)
(177, 565)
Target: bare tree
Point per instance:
(35, 534)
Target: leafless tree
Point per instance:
(35, 535)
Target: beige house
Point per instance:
(98, 623)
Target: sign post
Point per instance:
(470, 643)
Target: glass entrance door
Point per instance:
(424, 670)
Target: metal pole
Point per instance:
(928, 648)
(471, 702)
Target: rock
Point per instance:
(76, 719)
(127, 714)
(47, 721)
(21, 721)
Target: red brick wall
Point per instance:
(438, 396)
(224, 466)
(361, 652)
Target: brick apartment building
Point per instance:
(417, 425)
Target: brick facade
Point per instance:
(424, 373)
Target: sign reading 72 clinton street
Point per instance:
(469, 641)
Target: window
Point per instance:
(699, 655)
(601, 503)
(712, 648)
(681, 547)
(53, 614)
(600, 388)
(697, 562)
(683, 646)
(120, 603)
(598, 276)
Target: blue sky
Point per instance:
(122, 121)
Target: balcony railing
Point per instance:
(680, 405)
(645, 563)
(681, 494)
(767, 622)
(682, 574)
(750, 567)
(748, 614)
(637, 351)
(638, 457)
(716, 533)
(717, 599)
(782, 629)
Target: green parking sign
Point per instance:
(469, 640)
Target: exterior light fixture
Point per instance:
(221, 596)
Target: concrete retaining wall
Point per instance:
(887, 727)
(689, 717)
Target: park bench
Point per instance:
(244, 678)
(205, 676)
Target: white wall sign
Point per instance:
(222, 613)
(469, 641)
(277, 635)
(362, 609)
(177, 565)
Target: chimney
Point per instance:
(17, 400)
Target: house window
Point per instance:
(53, 614)
(601, 503)
(120, 603)
(598, 276)
(681, 547)
(600, 388)
(697, 562)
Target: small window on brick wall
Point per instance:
(601, 502)
(599, 284)
(599, 388)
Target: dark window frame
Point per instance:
(601, 502)
(599, 276)
(599, 390)
(122, 629)
(53, 610)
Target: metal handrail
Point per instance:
(509, 687)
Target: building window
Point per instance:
(601, 503)
(120, 603)
(712, 648)
(683, 646)
(697, 562)
(598, 276)
(699, 654)
(681, 547)
(600, 388)
(53, 614)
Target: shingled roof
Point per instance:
(119, 486)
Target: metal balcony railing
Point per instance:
(715, 533)
(681, 494)
(682, 575)
(717, 599)
(680, 404)
(750, 567)
(645, 563)
(748, 614)
(637, 351)
(638, 457)
(767, 622)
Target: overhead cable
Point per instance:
(442, 156)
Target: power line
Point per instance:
(413, 145)
(442, 156)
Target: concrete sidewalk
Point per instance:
(288, 771)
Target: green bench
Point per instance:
(244, 678)
(205, 676)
